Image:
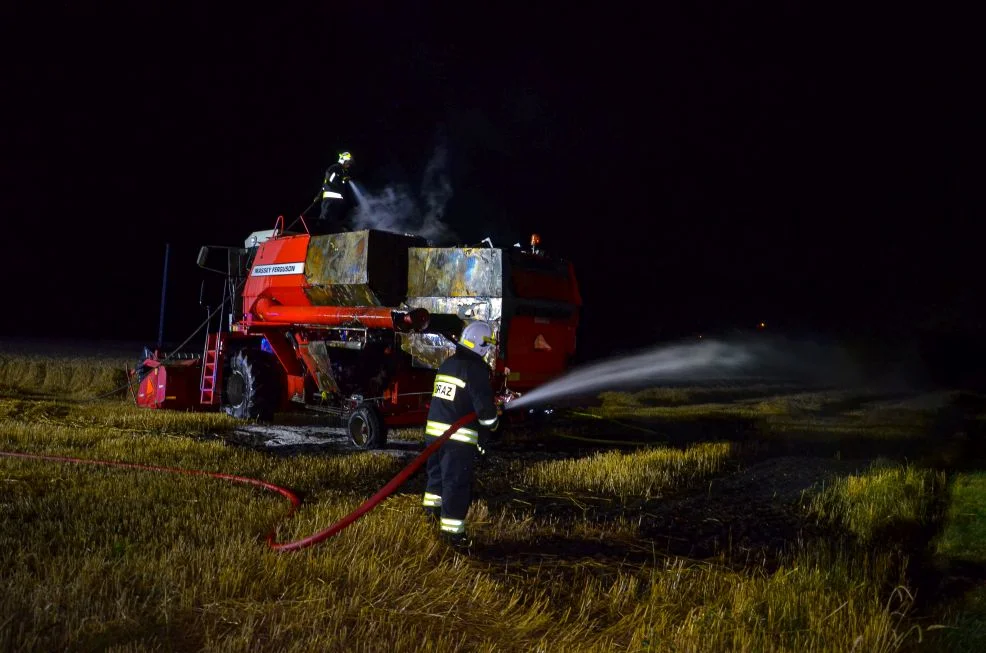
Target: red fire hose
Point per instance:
(334, 529)
(371, 503)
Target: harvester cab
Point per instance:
(355, 324)
(255, 239)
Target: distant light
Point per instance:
(763, 325)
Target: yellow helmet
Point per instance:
(345, 157)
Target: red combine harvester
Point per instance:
(355, 324)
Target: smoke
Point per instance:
(397, 208)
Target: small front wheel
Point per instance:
(366, 428)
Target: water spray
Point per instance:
(693, 362)
(403, 209)
(701, 362)
(358, 194)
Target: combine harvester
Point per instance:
(355, 325)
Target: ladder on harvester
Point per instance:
(210, 370)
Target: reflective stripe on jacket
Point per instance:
(334, 182)
(462, 386)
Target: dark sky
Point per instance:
(704, 168)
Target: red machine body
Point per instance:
(174, 385)
(355, 325)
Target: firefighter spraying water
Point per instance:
(461, 389)
(332, 197)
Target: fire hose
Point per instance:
(297, 545)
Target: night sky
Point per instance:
(705, 169)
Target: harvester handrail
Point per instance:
(174, 351)
(300, 217)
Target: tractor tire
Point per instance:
(251, 388)
(366, 428)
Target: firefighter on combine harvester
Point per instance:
(333, 194)
(462, 386)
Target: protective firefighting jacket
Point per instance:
(462, 386)
(335, 182)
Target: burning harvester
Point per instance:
(355, 324)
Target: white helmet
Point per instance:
(478, 337)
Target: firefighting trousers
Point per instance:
(450, 478)
(333, 211)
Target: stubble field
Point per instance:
(708, 518)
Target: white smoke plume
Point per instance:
(397, 208)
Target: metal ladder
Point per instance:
(210, 370)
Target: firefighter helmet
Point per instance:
(478, 337)
(345, 157)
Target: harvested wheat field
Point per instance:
(743, 518)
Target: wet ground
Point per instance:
(310, 439)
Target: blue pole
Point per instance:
(164, 290)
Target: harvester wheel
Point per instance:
(366, 428)
(251, 390)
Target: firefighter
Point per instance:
(462, 386)
(333, 193)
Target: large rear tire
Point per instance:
(367, 429)
(252, 388)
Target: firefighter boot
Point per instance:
(458, 541)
